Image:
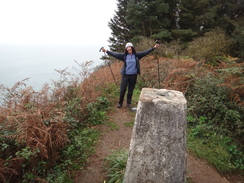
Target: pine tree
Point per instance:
(173, 13)
(119, 27)
(147, 18)
(175, 19)
(200, 16)
(138, 18)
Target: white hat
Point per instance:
(128, 44)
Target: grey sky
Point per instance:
(56, 21)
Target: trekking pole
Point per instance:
(105, 56)
(157, 42)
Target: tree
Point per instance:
(238, 36)
(137, 18)
(147, 17)
(119, 27)
(183, 20)
(196, 17)
(204, 15)
(173, 13)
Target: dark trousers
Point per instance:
(130, 81)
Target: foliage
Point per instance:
(238, 36)
(32, 130)
(133, 18)
(146, 17)
(129, 124)
(120, 30)
(206, 97)
(218, 135)
(169, 50)
(173, 19)
(97, 110)
(116, 164)
(202, 16)
(207, 142)
(183, 34)
(44, 135)
(74, 113)
(213, 92)
(74, 155)
(212, 44)
(162, 35)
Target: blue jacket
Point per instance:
(122, 57)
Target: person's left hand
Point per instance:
(156, 46)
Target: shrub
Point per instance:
(207, 97)
(42, 134)
(74, 113)
(212, 44)
(218, 135)
(31, 131)
(206, 141)
(165, 49)
(74, 155)
(162, 35)
(96, 111)
(183, 34)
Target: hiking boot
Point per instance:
(119, 105)
(129, 106)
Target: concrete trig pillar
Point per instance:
(157, 151)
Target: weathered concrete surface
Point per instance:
(158, 146)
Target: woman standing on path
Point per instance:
(129, 70)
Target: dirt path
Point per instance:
(113, 138)
(117, 136)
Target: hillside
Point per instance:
(198, 170)
(47, 136)
(174, 74)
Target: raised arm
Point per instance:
(119, 56)
(144, 53)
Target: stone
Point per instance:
(157, 152)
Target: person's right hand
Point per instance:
(104, 50)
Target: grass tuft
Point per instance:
(116, 163)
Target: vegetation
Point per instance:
(46, 135)
(214, 91)
(209, 46)
(116, 163)
(215, 110)
(181, 20)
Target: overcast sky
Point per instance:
(56, 21)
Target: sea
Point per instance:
(40, 62)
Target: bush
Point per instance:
(208, 143)
(215, 123)
(74, 155)
(74, 113)
(207, 97)
(96, 111)
(162, 35)
(165, 49)
(212, 44)
(43, 136)
(183, 34)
